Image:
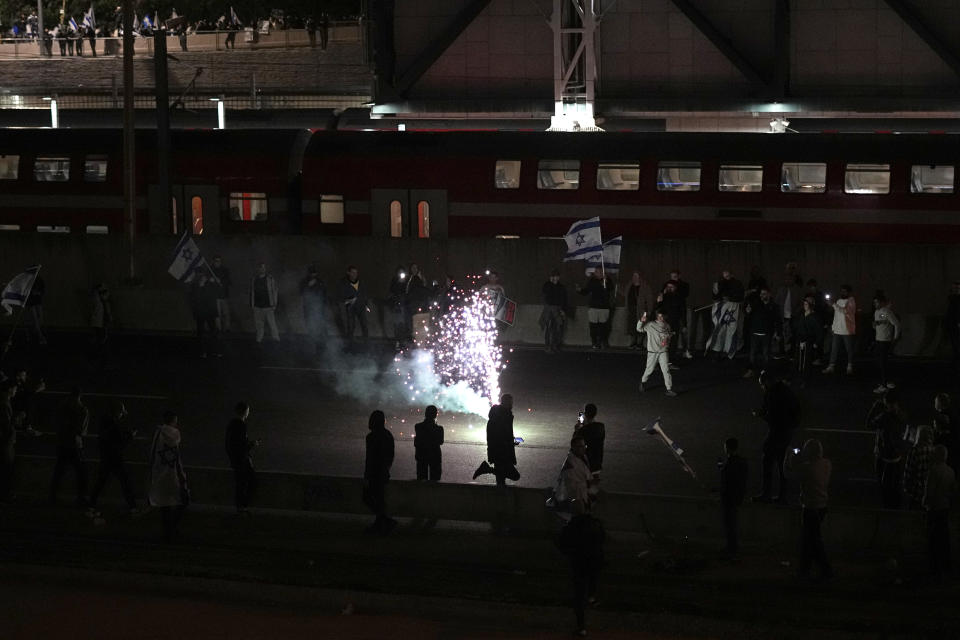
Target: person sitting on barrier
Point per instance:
(501, 457)
(376, 472)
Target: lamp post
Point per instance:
(54, 112)
(40, 34)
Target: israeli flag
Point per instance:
(88, 18)
(583, 241)
(73, 25)
(186, 260)
(17, 291)
(147, 23)
(233, 17)
(611, 256)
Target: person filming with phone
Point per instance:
(781, 412)
(593, 434)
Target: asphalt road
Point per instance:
(311, 413)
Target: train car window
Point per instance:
(95, 169)
(9, 167)
(803, 177)
(423, 219)
(507, 175)
(867, 178)
(931, 178)
(396, 219)
(51, 169)
(558, 174)
(618, 177)
(196, 215)
(741, 177)
(331, 209)
(97, 229)
(678, 176)
(46, 228)
(9, 227)
(248, 207)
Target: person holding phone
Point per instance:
(593, 434)
(501, 458)
(814, 471)
(781, 412)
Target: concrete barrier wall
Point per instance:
(666, 517)
(915, 278)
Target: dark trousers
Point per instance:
(170, 518)
(759, 351)
(938, 541)
(883, 354)
(890, 475)
(115, 467)
(230, 42)
(502, 471)
(806, 354)
(811, 542)
(245, 484)
(375, 497)
(774, 451)
(69, 457)
(6, 477)
(429, 468)
(352, 318)
(552, 326)
(79, 46)
(585, 574)
(208, 336)
(93, 46)
(731, 526)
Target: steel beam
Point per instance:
(432, 52)
(720, 41)
(913, 19)
(780, 86)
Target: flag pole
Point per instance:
(16, 321)
(603, 267)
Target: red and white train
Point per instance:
(839, 187)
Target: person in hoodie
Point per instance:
(814, 471)
(887, 330)
(376, 472)
(844, 328)
(658, 349)
(168, 481)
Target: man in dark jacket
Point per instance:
(204, 294)
(376, 472)
(501, 458)
(73, 420)
(761, 324)
(553, 316)
(114, 437)
(223, 299)
(781, 412)
(733, 488)
(599, 306)
(353, 304)
(314, 295)
(238, 447)
(593, 434)
(674, 309)
(426, 443)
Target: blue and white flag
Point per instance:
(186, 260)
(147, 23)
(17, 291)
(611, 256)
(583, 241)
(88, 18)
(233, 17)
(73, 25)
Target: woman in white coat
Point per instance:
(168, 481)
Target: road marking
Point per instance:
(842, 431)
(53, 433)
(109, 395)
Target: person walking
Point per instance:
(889, 422)
(501, 455)
(376, 472)
(73, 420)
(940, 489)
(428, 437)
(224, 280)
(581, 540)
(313, 293)
(8, 442)
(814, 471)
(844, 328)
(115, 435)
(553, 317)
(887, 331)
(781, 412)
(204, 294)
(263, 300)
(593, 434)
(239, 448)
(733, 489)
(168, 480)
(658, 350)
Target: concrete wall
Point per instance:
(916, 278)
(666, 517)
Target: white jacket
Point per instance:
(167, 479)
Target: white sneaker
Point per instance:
(830, 369)
(891, 385)
(882, 388)
(688, 355)
(849, 369)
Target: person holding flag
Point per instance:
(609, 267)
(90, 24)
(232, 27)
(15, 294)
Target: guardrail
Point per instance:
(204, 41)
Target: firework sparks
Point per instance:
(458, 362)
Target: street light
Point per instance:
(54, 112)
(221, 112)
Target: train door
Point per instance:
(194, 208)
(409, 213)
